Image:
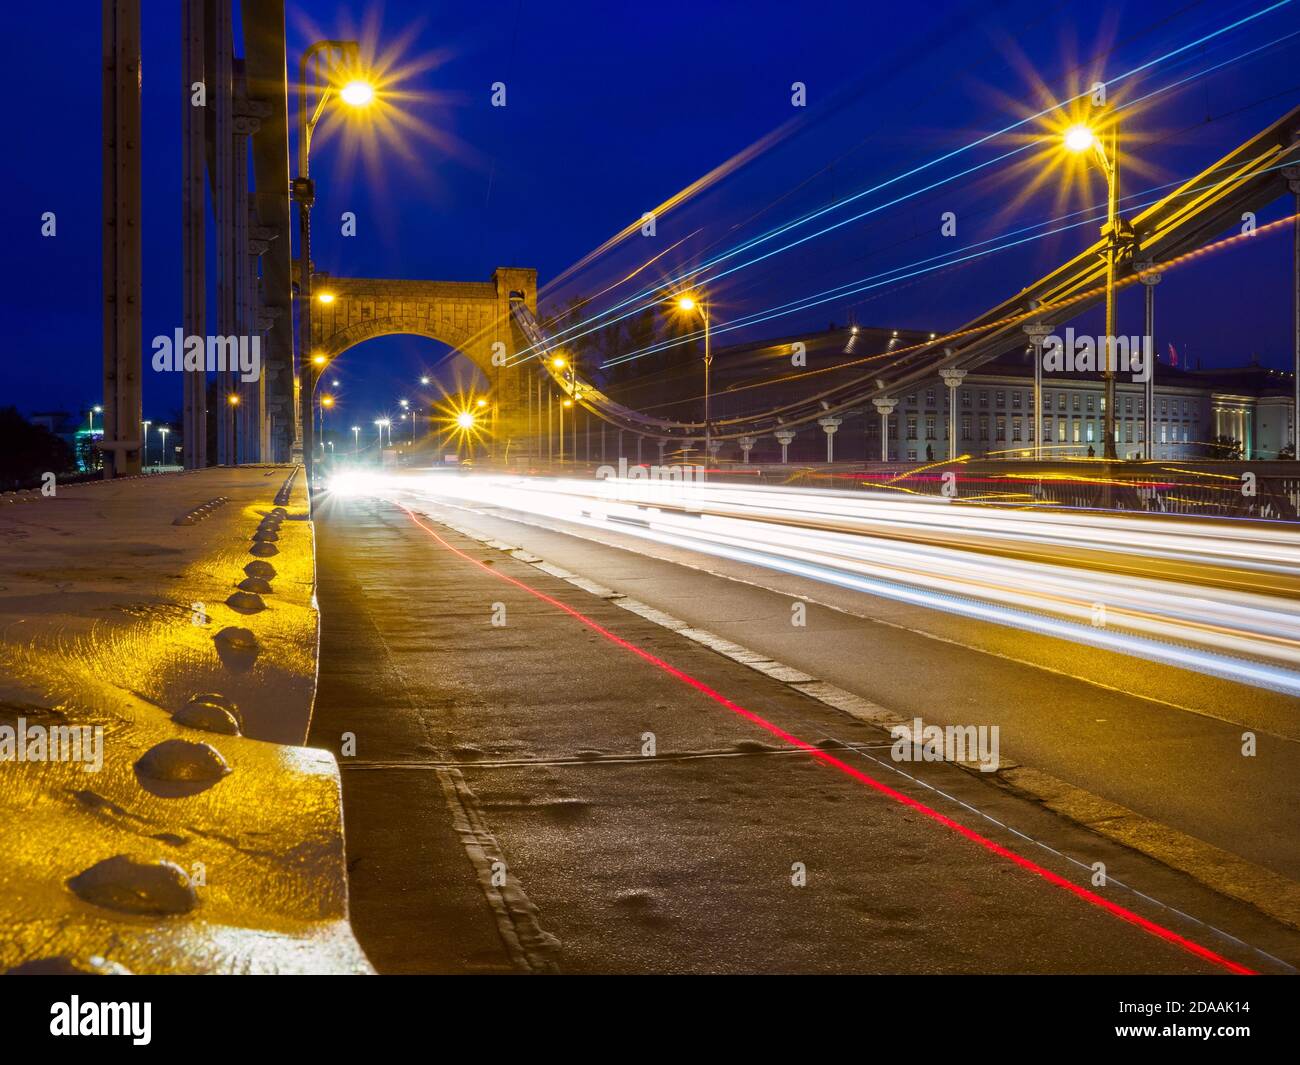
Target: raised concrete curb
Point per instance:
(185, 627)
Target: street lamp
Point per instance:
(688, 304)
(1080, 139)
(164, 430)
(356, 439)
(326, 403)
(355, 93)
(96, 409)
(146, 425)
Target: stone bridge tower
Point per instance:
(473, 317)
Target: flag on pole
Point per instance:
(1173, 355)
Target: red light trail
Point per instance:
(1114, 909)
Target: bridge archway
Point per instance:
(472, 317)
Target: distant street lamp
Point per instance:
(97, 409)
(1080, 139)
(689, 303)
(356, 439)
(146, 425)
(164, 430)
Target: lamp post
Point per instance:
(561, 363)
(1150, 277)
(356, 439)
(952, 377)
(164, 430)
(1037, 333)
(885, 406)
(146, 425)
(688, 303)
(1083, 139)
(355, 94)
(326, 403)
(232, 400)
(96, 409)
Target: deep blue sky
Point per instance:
(612, 107)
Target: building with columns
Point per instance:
(1197, 414)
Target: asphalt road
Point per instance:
(503, 812)
(1162, 741)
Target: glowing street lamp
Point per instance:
(164, 430)
(146, 423)
(1080, 139)
(355, 93)
(465, 419)
(96, 409)
(690, 303)
(356, 439)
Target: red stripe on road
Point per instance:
(1115, 910)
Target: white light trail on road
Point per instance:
(939, 554)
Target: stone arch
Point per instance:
(472, 317)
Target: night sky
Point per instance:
(614, 106)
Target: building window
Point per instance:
(911, 455)
(1128, 432)
(984, 428)
(1089, 432)
(911, 427)
(911, 399)
(1047, 401)
(1076, 429)
(1164, 408)
(1047, 429)
(1060, 430)
(1002, 430)
(1090, 403)
(1075, 402)
(984, 398)
(965, 428)
(1128, 404)
(1001, 399)
(965, 398)
(929, 427)
(1015, 429)
(1016, 399)
(1060, 401)
(929, 397)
